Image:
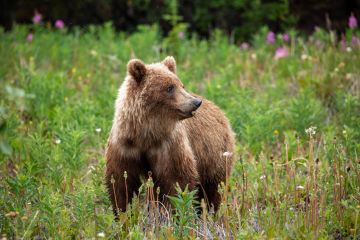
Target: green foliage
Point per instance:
(173, 13)
(304, 111)
(185, 213)
(248, 15)
(57, 100)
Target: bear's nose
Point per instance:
(197, 103)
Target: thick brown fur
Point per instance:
(154, 130)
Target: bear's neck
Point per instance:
(139, 126)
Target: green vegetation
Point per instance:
(296, 116)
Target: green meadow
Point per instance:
(296, 117)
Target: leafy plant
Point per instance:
(184, 210)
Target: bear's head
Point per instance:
(159, 89)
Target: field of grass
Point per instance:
(296, 118)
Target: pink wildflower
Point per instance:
(318, 43)
(30, 37)
(286, 37)
(281, 52)
(352, 21)
(37, 17)
(59, 23)
(270, 38)
(244, 46)
(355, 41)
(181, 35)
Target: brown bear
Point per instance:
(161, 128)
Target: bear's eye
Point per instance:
(170, 89)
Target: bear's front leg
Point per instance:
(121, 186)
(210, 192)
(174, 165)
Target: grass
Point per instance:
(57, 101)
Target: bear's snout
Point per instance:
(197, 103)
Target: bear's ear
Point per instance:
(136, 69)
(170, 63)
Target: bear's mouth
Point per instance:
(185, 115)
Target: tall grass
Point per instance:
(297, 121)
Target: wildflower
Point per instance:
(318, 43)
(348, 49)
(352, 21)
(11, 214)
(343, 42)
(37, 18)
(300, 187)
(101, 234)
(98, 130)
(286, 37)
(304, 57)
(311, 130)
(57, 141)
(59, 24)
(348, 76)
(227, 154)
(276, 132)
(253, 56)
(181, 35)
(355, 41)
(30, 37)
(262, 177)
(244, 46)
(281, 53)
(93, 52)
(113, 58)
(270, 38)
